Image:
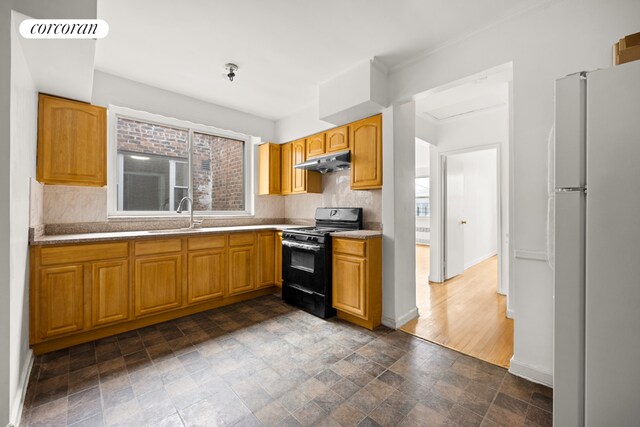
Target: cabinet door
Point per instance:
(366, 153)
(278, 258)
(109, 292)
(266, 259)
(299, 184)
(337, 139)
(60, 302)
(241, 269)
(315, 145)
(269, 174)
(158, 284)
(349, 284)
(72, 142)
(207, 275)
(287, 168)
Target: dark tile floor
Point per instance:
(262, 362)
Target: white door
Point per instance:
(454, 217)
(613, 237)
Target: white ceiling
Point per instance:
(476, 93)
(284, 48)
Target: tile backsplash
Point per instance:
(336, 192)
(68, 209)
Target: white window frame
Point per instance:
(116, 112)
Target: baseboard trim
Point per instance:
(398, 322)
(480, 259)
(18, 404)
(531, 255)
(531, 373)
(511, 314)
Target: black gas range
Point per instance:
(306, 259)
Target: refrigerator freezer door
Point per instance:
(570, 131)
(613, 247)
(569, 281)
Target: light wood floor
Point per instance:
(464, 313)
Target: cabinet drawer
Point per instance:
(158, 246)
(239, 239)
(349, 246)
(82, 253)
(207, 242)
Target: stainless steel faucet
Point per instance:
(192, 223)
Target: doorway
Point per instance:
(462, 253)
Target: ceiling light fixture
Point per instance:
(231, 68)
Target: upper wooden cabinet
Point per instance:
(287, 168)
(299, 182)
(337, 139)
(303, 181)
(72, 142)
(269, 174)
(365, 137)
(316, 145)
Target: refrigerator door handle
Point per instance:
(560, 190)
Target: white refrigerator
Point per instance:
(597, 249)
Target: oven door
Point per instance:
(304, 266)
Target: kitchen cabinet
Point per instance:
(315, 145)
(298, 151)
(207, 268)
(337, 139)
(207, 275)
(60, 300)
(357, 280)
(109, 292)
(72, 142)
(242, 263)
(287, 168)
(303, 181)
(365, 138)
(87, 291)
(265, 271)
(278, 258)
(157, 283)
(269, 173)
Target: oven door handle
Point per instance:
(303, 246)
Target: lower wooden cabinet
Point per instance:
(241, 269)
(357, 280)
(109, 292)
(207, 275)
(83, 292)
(265, 265)
(60, 301)
(278, 258)
(157, 284)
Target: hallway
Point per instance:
(464, 313)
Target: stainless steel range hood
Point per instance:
(328, 163)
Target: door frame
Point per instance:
(502, 281)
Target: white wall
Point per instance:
(110, 89)
(480, 205)
(17, 163)
(300, 124)
(24, 109)
(536, 43)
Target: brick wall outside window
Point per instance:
(218, 162)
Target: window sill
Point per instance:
(163, 217)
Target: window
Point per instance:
(159, 161)
(423, 208)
